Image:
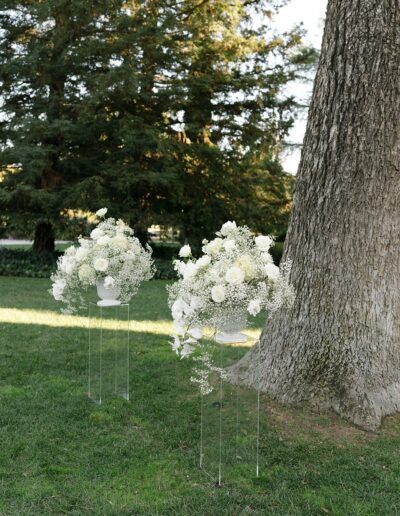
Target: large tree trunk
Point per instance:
(339, 345)
(44, 238)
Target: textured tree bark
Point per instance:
(44, 238)
(339, 345)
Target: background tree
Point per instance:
(48, 50)
(339, 345)
(168, 113)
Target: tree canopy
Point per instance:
(169, 113)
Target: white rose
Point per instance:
(185, 251)
(263, 242)
(218, 293)
(203, 261)
(190, 270)
(104, 240)
(272, 271)
(81, 253)
(229, 245)
(85, 272)
(96, 233)
(109, 282)
(228, 227)
(101, 212)
(213, 247)
(254, 307)
(100, 264)
(266, 258)
(120, 241)
(234, 275)
(58, 289)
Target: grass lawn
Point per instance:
(62, 454)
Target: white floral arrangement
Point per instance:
(235, 273)
(112, 255)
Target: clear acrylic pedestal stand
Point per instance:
(108, 351)
(230, 416)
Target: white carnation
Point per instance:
(254, 307)
(100, 264)
(234, 275)
(96, 233)
(263, 242)
(272, 271)
(185, 251)
(218, 293)
(228, 227)
(101, 212)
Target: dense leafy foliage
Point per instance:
(25, 263)
(169, 113)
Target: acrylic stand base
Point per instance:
(230, 338)
(230, 416)
(108, 351)
(109, 302)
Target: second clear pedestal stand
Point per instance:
(230, 416)
(108, 352)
